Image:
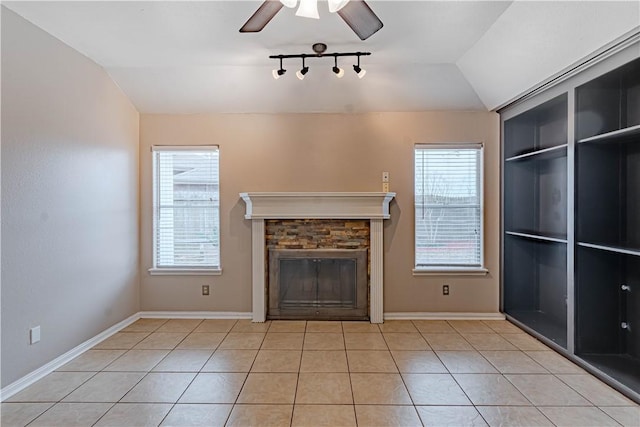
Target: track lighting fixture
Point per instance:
(304, 70)
(359, 71)
(319, 49)
(278, 72)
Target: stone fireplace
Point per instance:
(329, 222)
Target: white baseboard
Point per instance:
(195, 315)
(45, 370)
(443, 316)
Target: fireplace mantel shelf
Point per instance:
(302, 205)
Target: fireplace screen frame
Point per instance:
(360, 308)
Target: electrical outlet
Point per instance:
(205, 289)
(34, 335)
(445, 289)
(385, 187)
(385, 176)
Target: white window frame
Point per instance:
(452, 269)
(180, 270)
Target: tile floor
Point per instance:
(188, 372)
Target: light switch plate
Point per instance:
(385, 176)
(34, 335)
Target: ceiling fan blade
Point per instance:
(262, 16)
(362, 20)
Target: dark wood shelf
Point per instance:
(545, 153)
(535, 236)
(616, 249)
(615, 135)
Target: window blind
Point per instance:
(448, 206)
(186, 207)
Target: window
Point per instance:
(186, 210)
(448, 208)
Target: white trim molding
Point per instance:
(376, 277)
(185, 271)
(258, 269)
(450, 271)
(194, 315)
(373, 206)
(443, 316)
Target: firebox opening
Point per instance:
(329, 284)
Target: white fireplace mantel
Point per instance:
(373, 206)
(317, 205)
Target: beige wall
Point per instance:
(69, 199)
(320, 152)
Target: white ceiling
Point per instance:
(188, 57)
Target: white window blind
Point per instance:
(448, 206)
(186, 208)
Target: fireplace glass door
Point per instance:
(318, 284)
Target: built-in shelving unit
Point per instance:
(608, 223)
(535, 218)
(571, 217)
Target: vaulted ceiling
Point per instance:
(188, 57)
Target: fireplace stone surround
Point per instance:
(371, 206)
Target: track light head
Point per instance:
(278, 72)
(338, 71)
(301, 73)
(359, 71)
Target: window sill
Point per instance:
(185, 271)
(453, 271)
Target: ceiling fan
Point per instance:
(356, 13)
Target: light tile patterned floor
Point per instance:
(189, 372)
